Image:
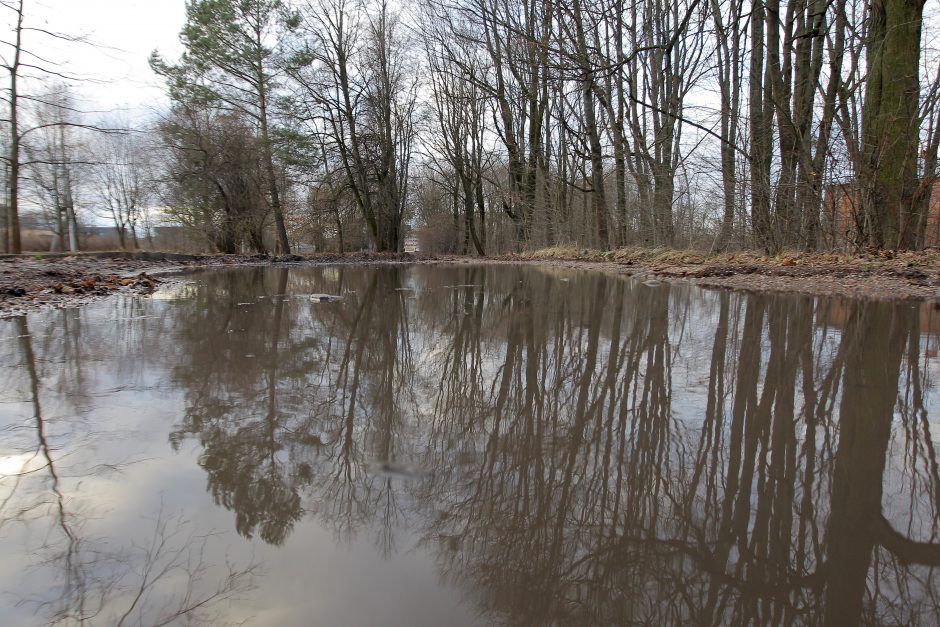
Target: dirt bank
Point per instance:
(35, 282)
(30, 283)
(881, 275)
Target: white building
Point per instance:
(412, 245)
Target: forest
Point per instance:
(490, 126)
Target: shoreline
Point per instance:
(35, 282)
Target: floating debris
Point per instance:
(325, 298)
(404, 471)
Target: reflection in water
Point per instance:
(161, 578)
(234, 406)
(581, 451)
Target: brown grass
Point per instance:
(672, 256)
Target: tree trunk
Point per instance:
(761, 140)
(890, 124)
(13, 211)
(276, 207)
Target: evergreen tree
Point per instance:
(230, 61)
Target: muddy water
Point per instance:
(468, 446)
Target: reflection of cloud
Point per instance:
(11, 465)
(173, 291)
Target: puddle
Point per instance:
(533, 448)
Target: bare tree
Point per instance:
(460, 107)
(16, 59)
(351, 66)
(214, 178)
(121, 183)
(54, 160)
(587, 122)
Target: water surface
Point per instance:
(468, 446)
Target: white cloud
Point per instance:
(122, 34)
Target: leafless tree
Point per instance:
(54, 162)
(121, 183)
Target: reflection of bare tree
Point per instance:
(857, 525)
(371, 380)
(167, 579)
(72, 570)
(460, 394)
(537, 435)
(546, 466)
(613, 512)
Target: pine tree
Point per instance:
(229, 61)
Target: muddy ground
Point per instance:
(34, 282)
(884, 275)
(29, 283)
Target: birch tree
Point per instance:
(54, 163)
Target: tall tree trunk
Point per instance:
(761, 139)
(728, 60)
(13, 210)
(276, 207)
(890, 123)
(598, 194)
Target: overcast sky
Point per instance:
(125, 31)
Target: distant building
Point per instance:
(842, 205)
(412, 245)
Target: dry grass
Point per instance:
(671, 256)
(635, 254)
(35, 240)
(40, 241)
